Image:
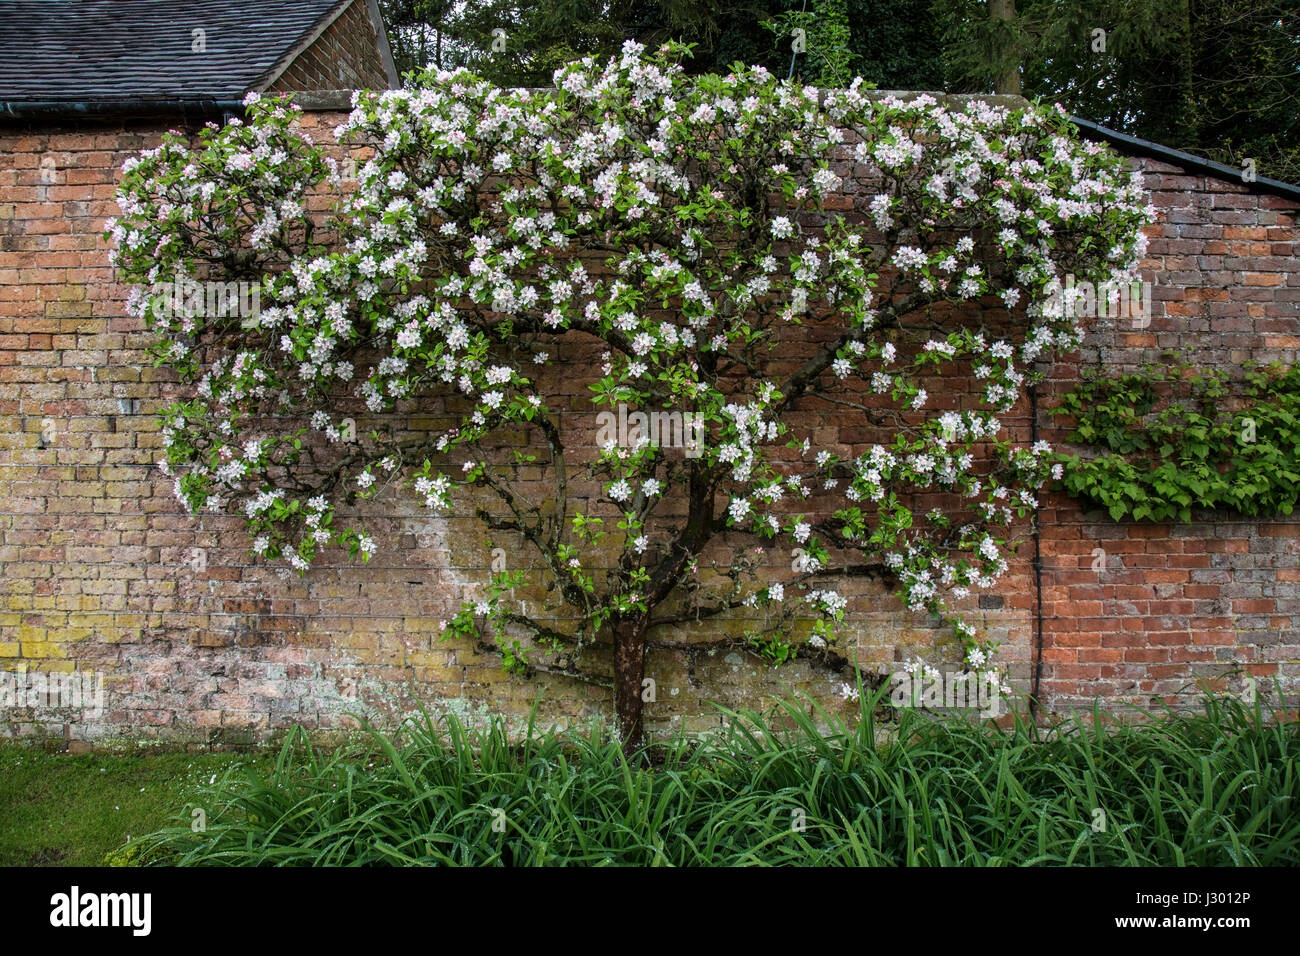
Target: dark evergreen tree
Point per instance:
(1219, 78)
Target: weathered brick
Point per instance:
(97, 566)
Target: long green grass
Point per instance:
(1212, 788)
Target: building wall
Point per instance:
(198, 644)
(344, 57)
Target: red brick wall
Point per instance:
(97, 575)
(344, 57)
(1182, 603)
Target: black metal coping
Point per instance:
(1134, 145)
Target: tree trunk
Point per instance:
(1009, 80)
(1190, 118)
(629, 671)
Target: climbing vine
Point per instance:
(1177, 438)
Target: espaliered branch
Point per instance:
(688, 244)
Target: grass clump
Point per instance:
(1218, 787)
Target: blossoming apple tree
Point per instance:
(459, 259)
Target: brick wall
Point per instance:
(102, 574)
(344, 57)
(1183, 602)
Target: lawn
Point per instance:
(74, 810)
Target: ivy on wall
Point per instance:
(1175, 438)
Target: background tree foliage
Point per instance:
(1218, 78)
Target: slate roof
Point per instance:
(140, 51)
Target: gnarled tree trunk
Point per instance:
(629, 671)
